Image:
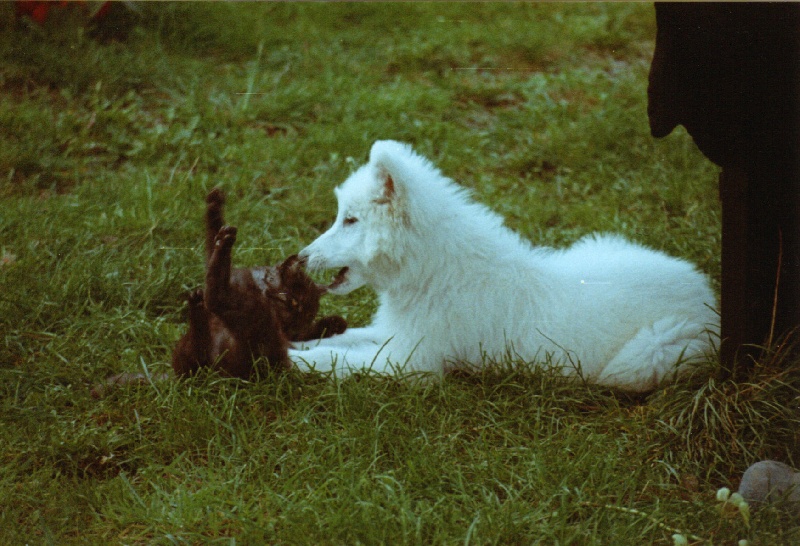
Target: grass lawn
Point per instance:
(106, 153)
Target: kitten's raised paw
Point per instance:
(195, 298)
(226, 236)
(215, 197)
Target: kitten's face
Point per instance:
(298, 296)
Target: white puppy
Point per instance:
(456, 287)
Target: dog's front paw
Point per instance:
(226, 236)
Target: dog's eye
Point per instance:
(349, 221)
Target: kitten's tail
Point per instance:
(215, 203)
(125, 378)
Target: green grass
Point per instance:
(106, 153)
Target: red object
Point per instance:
(102, 12)
(38, 10)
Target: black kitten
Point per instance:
(247, 313)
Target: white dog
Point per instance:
(456, 287)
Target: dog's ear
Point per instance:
(387, 157)
(388, 191)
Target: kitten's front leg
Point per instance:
(324, 328)
(218, 275)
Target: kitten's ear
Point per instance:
(292, 264)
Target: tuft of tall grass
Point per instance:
(725, 426)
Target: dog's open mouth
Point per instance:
(339, 279)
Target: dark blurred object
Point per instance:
(114, 21)
(730, 74)
(106, 20)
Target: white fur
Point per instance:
(455, 286)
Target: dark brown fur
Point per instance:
(246, 314)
